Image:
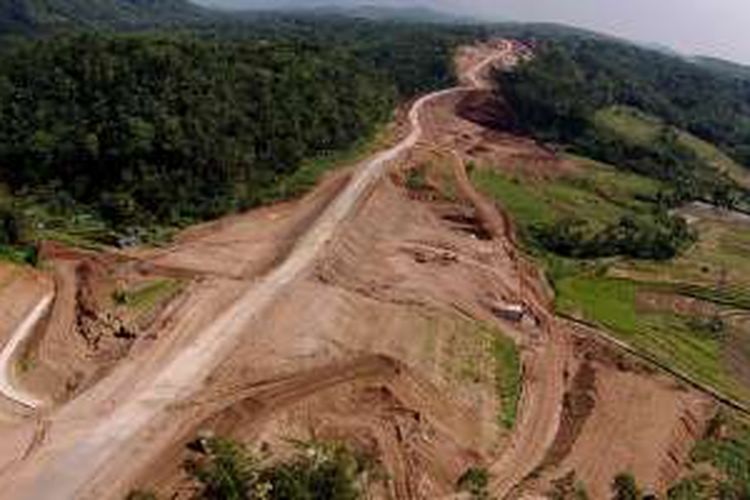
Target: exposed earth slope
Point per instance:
(381, 310)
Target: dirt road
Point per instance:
(69, 467)
(10, 351)
(544, 386)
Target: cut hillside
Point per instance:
(560, 412)
(391, 308)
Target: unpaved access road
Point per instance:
(540, 405)
(9, 355)
(67, 471)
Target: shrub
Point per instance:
(318, 471)
(658, 238)
(140, 495)
(624, 487)
(475, 481)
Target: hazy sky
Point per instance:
(710, 27)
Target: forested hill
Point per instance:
(40, 16)
(728, 68)
(111, 135)
(560, 96)
(163, 129)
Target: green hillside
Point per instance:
(641, 129)
(30, 16)
(728, 68)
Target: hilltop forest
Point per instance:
(131, 132)
(105, 135)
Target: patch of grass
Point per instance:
(481, 354)
(620, 187)
(642, 129)
(573, 197)
(477, 356)
(609, 302)
(507, 377)
(715, 268)
(716, 158)
(146, 296)
(671, 338)
(630, 124)
(600, 195)
(523, 200)
(727, 450)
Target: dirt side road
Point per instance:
(25, 296)
(10, 351)
(66, 465)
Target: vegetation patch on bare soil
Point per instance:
(507, 377)
(719, 464)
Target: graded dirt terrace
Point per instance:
(364, 312)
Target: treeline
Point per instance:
(557, 94)
(147, 130)
(415, 56)
(660, 237)
(163, 129)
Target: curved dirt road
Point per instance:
(68, 471)
(540, 406)
(9, 353)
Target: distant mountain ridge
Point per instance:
(42, 15)
(361, 10)
(384, 13)
(728, 68)
(34, 16)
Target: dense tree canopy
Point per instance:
(147, 130)
(157, 129)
